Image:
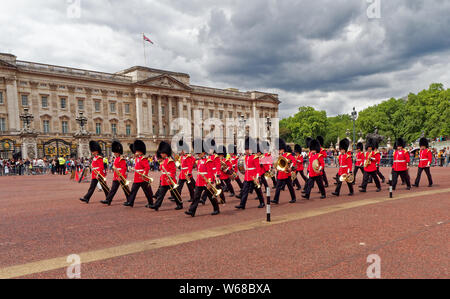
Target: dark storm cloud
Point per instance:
(326, 53)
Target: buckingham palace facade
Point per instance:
(138, 102)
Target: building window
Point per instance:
(80, 105)
(98, 128)
(127, 108)
(44, 101)
(174, 111)
(63, 103)
(97, 106)
(165, 130)
(1, 98)
(221, 114)
(163, 110)
(2, 124)
(65, 127)
(114, 129)
(153, 129)
(24, 100)
(46, 125)
(230, 114)
(211, 113)
(153, 109)
(128, 129)
(112, 107)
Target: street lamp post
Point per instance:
(269, 126)
(354, 117)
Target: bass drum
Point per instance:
(241, 165)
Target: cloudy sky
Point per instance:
(329, 54)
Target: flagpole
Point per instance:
(143, 44)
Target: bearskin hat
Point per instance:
(400, 142)
(424, 142)
(182, 146)
(289, 149)
(139, 146)
(281, 144)
(94, 146)
(344, 144)
(210, 145)
(314, 145)
(307, 141)
(251, 143)
(117, 148)
(371, 143)
(222, 150)
(360, 146)
(321, 140)
(297, 148)
(132, 148)
(164, 148)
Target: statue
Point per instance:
(380, 139)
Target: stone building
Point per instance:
(138, 102)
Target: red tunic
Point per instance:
(223, 175)
(299, 160)
(311, 171)
(98, 167)
(121, 166)
(267, 162)
(426, 157)
(401, 160)
(360, 159)
(374, 160)
(168, 166)
(187, 164)
(251, 167)
(205, 170)
(141, 167)
(345, 163)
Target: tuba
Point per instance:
(283, 164)
(348, 178)
(316, 166)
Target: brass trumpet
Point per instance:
(368, 160)
(145, 177)
(256, 182)
(123, 182)
(173, 186)
(213, 190)
(102, 180)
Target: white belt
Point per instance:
(251, 168)
(344, 166)
(400, 161)
(184, 168)
(95, 168)
(203, 173)
(423, 159)
(140, 170)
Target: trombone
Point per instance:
(123, 182)
(102, 180)
(213, 190)
(172, 185)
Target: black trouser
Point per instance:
(147, 191)
(191, 187)
(310, 185)
(355, 172)
(248, 186)
(419, 175)
(324, 177)
(339, 186)
(230, 188)
(403, 174)
(91, 190)
(197, 195)
(218, 187)
(114, 188)
(239, 182)
(161, 193)
(367, 176)
(280, 186)
(263, 182)
(379, 174)
(274, 181)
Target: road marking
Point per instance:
(143, 246)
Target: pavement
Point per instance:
(43, 222)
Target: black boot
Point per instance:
(84, 200)
(192, 214)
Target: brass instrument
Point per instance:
(368, 160)
(348, 178)
(173, 186)
(256, 182)
(316, 166)
(228, 171)
(177, 159)
(123, 182)
(270, 174)
(102, 180)
(294, 175)
(145, 177)
(211, 188)
(283, 164)
(241, 165)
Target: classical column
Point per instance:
(180, 108)
(12, 102)
(160, 122)
(35, 102)
(255, 120)
(139, 115)
(170, 115)
(150, 114)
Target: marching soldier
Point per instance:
(371, 159)
(359, 164)
(426, 158)
(98, 170)
(345, 166)
(187, 163)
(120, 166)
(315, 170)
(141, 170)
(400, 167)
(234, 162)
(204, 179)
(225, 172)
(299, 166)
(379, 174)
(267, 164)
(284, 178)
(323, 152)
(168, 178)
(251, 181)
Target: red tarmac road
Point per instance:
(43, 222)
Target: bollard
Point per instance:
(390, 187)
(268, 205)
